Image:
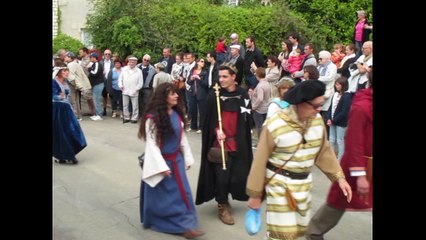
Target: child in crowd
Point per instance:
(295, 61)
(338, 54)
(337, 115)
(260, 98)
(278, 102)
(221, 50)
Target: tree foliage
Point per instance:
(146, 26)
(334, 20)
(63, 41)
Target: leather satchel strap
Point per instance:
(287, 119)
(282, 166)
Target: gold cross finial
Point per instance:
(216, 87)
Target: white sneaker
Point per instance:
(97, 118)
(198, 131)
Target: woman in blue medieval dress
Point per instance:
(166, 203)
(67, 137)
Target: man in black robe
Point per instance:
(213, 181)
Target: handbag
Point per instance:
(141, 159)
(214, 155)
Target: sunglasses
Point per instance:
(107, 54)
(316, 106)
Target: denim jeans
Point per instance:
(358, 45)
(197, 107)
(97, 97)
(337, 139)
(258, 118)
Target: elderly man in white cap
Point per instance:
(234, 41)
(237, 61)
(130, 81)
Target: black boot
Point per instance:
(61, 161)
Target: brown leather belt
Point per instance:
(292, 175)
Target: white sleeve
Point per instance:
(187, 153)
(120, 79)
(272, 109)
(154, 163)
(140, 80)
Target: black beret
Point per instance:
(305, 91)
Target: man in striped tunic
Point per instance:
(292, 141)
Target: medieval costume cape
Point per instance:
(358, 148)
(237, 101)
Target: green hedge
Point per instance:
(139, 27)
(66, 42)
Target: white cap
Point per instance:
(237, 46)
(234, 35)
(132, 58)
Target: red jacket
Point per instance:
(220, 47)
(358, 145)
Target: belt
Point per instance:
(287, 173)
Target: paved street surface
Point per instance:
(98, 199)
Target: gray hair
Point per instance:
(146, 56)
(285, 80)
(361, 12)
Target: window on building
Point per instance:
(86, 38)
(233, 2)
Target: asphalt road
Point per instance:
(98, 199)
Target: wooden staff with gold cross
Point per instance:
(219, 119)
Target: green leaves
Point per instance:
(63, 41)
(142, 26)
(125, 36)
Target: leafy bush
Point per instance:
(139, 27)
(333, 20)
(66, 42)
